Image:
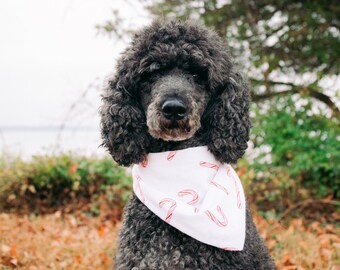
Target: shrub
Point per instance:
(46, 181)
(304, 145)
(271, 191)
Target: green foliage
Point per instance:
(52, 181)
(275, 42)
(300, 35)
(303, 144)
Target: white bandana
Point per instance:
(194, 193)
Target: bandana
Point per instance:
(193, 192)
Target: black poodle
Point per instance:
(175, 88)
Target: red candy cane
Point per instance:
(171, 209)
(171, 155)
(144, 163)
(220, 187)
(228, 169)
(139, 189)
(209, 165)
(191, 192)
(219, 223)
(238, 193)
(231, 248)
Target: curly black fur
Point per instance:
(190, 62)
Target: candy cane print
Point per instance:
(219, 186)
(171, 209)
(191, 192)
(171, 155)
(144, 163)
(209, 165)
(231, 248)
(228, 169)
(238, 194)
(139, 189)
(219, 223)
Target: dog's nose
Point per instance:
(174, 109)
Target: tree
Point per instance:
(287, 47)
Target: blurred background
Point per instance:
(61, 196)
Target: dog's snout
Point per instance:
(174, 109)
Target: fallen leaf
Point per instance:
(13, 251)
(57, 214)
(72, 169)
(73, 221)
(327, 253)
(78, 259)
(101, 231)
(5, 248)
(271, 243)
(290, 267)
(103, 257)
(14, 262)
(286, 260)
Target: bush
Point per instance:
(304, 145)
(271, 191)
(46, 182)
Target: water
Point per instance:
(28, 141)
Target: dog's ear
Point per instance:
(123, 123)
(227, 119)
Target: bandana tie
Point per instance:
(193, 192)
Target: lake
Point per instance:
(28, 141)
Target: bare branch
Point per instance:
(299, 89)
(257, 98)
(306, 203)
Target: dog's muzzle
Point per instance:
(172, 119)
(174, 109)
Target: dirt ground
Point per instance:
(77, 241)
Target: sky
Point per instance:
(53, 63)
(50, 52)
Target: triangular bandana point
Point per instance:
(193, 192)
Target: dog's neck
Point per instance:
(162, 146)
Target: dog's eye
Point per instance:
(195, 76)
(154, 67)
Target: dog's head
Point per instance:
(173, 83)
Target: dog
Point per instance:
(176, 88)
